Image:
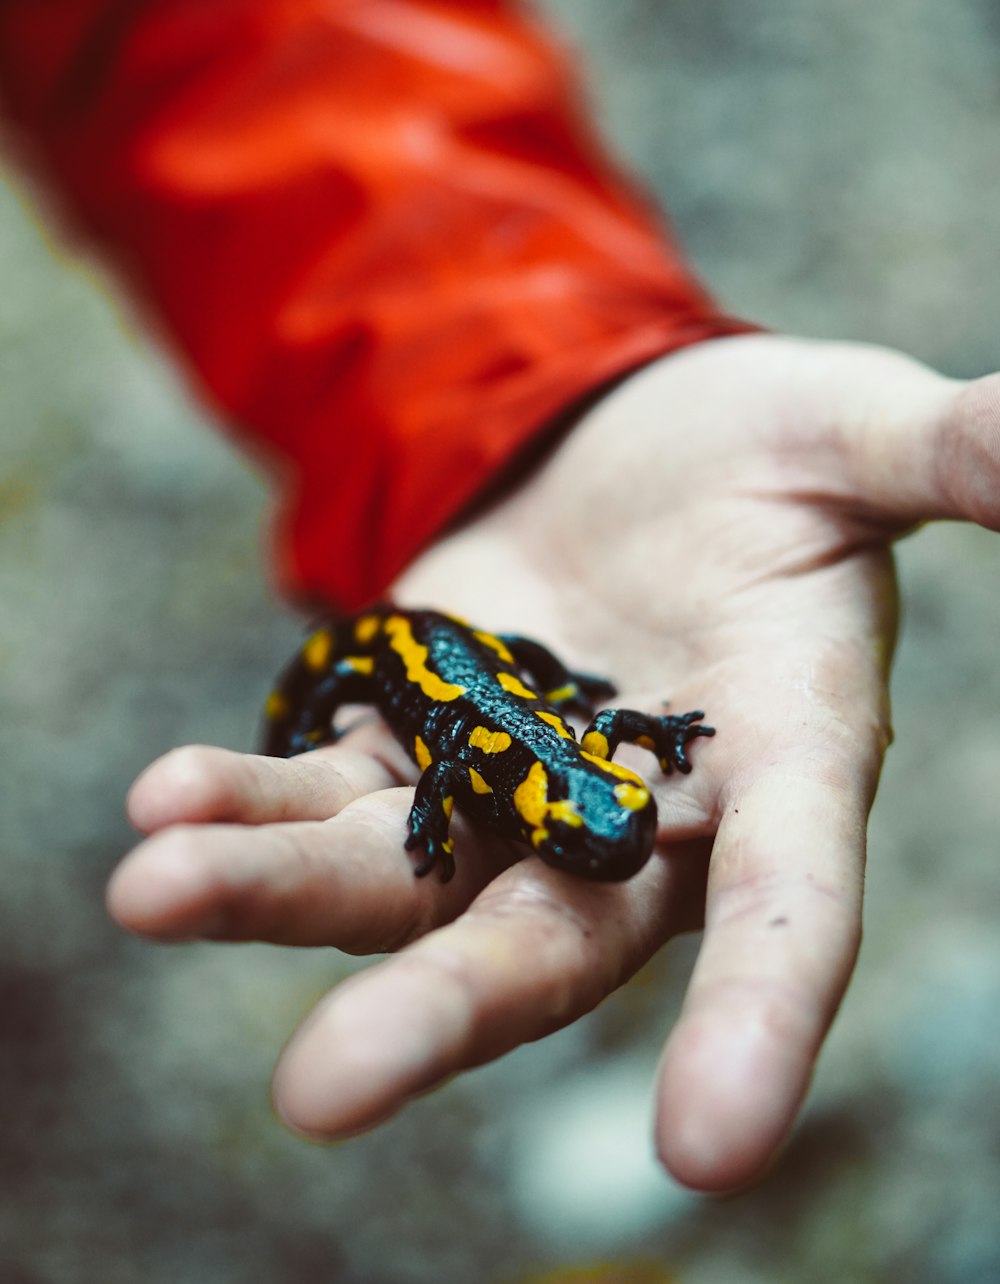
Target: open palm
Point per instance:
(714, 533)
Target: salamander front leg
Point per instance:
(561, 687)
(430, 818)
(664, 735)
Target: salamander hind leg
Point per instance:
(299, 712)
(563, 688)
(430, 819)
(666, 735)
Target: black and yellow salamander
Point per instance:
(459, 700)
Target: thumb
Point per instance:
(966, 440)
(917, 445)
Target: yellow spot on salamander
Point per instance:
(414, 657)
(489, 741)
(276, 706)
(531, 795)
(613, 769)
(561, 693)
(422, 754)
(531, 802)
(360, 663)
(317, 651)
(448, 806)
(633, 797)
(566, 812)
(554, 720)
(365, 628)
(595, 744)
(494, 644)
(646, 743)
(514, 686)
(479, 785)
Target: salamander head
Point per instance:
(604, 830)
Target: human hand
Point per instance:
(716, 531)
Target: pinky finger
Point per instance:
(201, 784)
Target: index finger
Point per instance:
(782, 930)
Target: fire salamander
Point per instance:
(466, 706)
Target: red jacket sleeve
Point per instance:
(381, 231)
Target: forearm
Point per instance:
(383, 234)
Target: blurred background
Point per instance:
(833, 169)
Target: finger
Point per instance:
(967, 453)
(346, 881)
(534, 952)
(912, 443)
(202, 784)
(781, 935)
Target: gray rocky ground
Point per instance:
(834, 169)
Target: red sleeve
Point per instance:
(381, 231)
